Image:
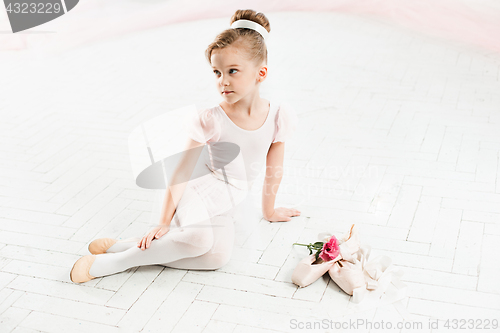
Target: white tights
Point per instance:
(200, 246)
(201, 235)
(197, 239)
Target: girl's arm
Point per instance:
(274, 173)
(180, 177)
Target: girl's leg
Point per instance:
(176, 244)
(196, 213)
(123, 245)
(219, 254)
(181, 247)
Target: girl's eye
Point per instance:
(218, 73)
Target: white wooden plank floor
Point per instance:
(399, 133)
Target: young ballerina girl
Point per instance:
(196, 229)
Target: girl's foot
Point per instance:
(101, 245)
(80, 271)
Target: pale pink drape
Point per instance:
(93, 20)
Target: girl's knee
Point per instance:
(200, 238)
(219, 260)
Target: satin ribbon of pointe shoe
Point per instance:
(348, 247)
(347, 253)
(383, 280)
(306, 273)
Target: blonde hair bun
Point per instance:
(252, 41)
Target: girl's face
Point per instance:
(236, 77)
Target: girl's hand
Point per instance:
(155, 233)
(282, 214)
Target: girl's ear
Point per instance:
(262, 73)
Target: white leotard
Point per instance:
(213, 125)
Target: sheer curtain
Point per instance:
(468, 21)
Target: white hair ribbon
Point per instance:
(251, 25)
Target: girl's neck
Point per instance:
(246, 108)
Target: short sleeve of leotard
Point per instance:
(285, 122)
(203, 126)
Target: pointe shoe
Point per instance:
(306, 273)
(101, 245)
(348, 276)
(80, 271)
(348, 273)
(349, 246)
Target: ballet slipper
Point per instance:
(347, 272)
(348, 276)
(101, 245)
(350, 245)
(80, 271)
(306, 272)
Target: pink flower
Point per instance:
(330, 249)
